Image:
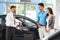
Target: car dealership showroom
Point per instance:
(29, 19)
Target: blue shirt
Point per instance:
(41, 18)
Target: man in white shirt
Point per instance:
(11, 23)
(10, 19)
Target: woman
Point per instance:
(50, 21)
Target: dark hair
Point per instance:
(50, 10)
(41, 4)
(12, 7)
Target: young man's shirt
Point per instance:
(11, 20)
(41, 18)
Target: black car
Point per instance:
(26, 24)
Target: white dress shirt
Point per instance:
(10, 20)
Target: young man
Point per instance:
(11, 23)
(41, 18)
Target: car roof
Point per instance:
(20, 16)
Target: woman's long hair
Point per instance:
(50, 10)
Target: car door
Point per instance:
(30, 24)
(2, 27)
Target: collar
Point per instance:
(42, 12)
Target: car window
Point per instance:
(30, 24)
(27, 22)
(2, 21)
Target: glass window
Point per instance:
(13, 0)
(9, 0)
(2, 8)
(31, 11)
(2, 0)
(48, 3)
(19, 8)
(30, 7)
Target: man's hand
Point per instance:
(39, 26)
(18, 28)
